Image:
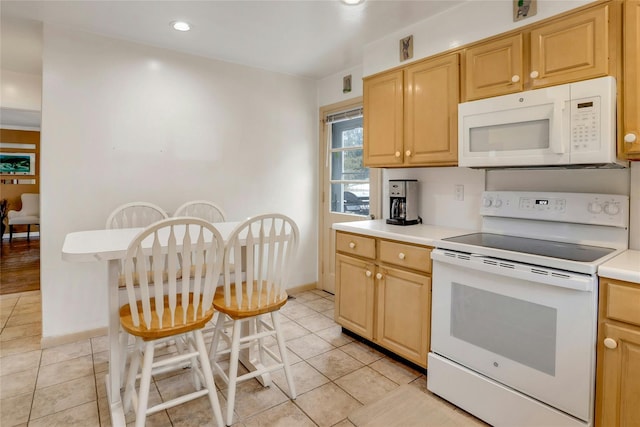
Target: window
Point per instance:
(349, 178)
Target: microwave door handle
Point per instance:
(557, 144)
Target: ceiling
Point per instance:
(308, 38)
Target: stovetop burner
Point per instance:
(548, 248)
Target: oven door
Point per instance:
(530, 328)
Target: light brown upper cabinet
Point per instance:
(410, 114)
(494, 68)
(383, 119)
(631, 84)
(577, 46)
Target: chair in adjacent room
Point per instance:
(204, 209)
(29, 214)
(250, 300)
(135, 214)
(171, 270)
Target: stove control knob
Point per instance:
(611, 209)
(595, 207)
(610, 343)
(487, 202)
(497, 203)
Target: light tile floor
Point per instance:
(64, 385)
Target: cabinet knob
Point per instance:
(408, 153)
(534, 74)
(610, 343)
(630, 137)
(352, 245)
(401, 255)
(368, 273)
(397, 154)
(515, 79)
(379, 276)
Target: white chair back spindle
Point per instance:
(135, 214)
(204, 209)
(262, 248)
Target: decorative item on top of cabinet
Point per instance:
(630, 138)
(411, 115)
(385, 298)
(618, 371)
(576, 46)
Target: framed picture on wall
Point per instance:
(18, 163)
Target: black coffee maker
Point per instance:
(403, 202)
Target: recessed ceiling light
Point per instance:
(181, 25)
(352, 2)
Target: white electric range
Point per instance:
(514, 307)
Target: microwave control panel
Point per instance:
(585, 124)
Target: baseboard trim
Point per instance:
(20, 234)
(48, 342)
(302, 288)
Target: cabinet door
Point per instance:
(404, 313)
(494, 68)
(432, 93)
(573, 48)
(354, 295)
(383, 119)
(631, 83)
(618, 400)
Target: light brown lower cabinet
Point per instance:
(383, 293)
(618, 373)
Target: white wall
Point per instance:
(20, 91)
(330, 88)
(124, 122)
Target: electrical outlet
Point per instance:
(459, 192)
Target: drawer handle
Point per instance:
(368, 273)
(610, 343)
(379, 276)
(401, 255)
(515, 78)
(408, 153)
(352, 245)
(534, 74)
(630, 138)
(397, 154)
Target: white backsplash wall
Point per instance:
(437, 203)
(634, 208)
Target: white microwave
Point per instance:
(566, 125)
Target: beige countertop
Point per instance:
(625, 266)
(420, 234)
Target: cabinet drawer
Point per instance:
(404, 255)
(623, 302)
(354, 244)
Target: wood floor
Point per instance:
(20, 265)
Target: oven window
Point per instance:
(519, 330)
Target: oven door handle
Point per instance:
(548, 276)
